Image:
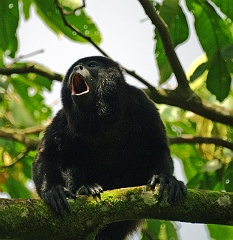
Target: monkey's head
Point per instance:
(94, 86)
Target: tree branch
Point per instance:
(20, 135)
(191, 102)
(27, 217)
(32, 68)
(200, 140)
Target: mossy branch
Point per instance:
(32, 219)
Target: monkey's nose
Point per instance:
(78, 67)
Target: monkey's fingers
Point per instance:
(56, 198)
(69, 194)
(93, 190)
(175, 187)
(162, 180)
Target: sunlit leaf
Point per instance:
(192, 161)
(9, 19)
(219, 232)
(26, 102)
(72, 4)
(159, 230)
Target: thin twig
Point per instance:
(20, 57)
(162, 28)
(32, 68)
(20, 135)
(201, 140)
(79, 33)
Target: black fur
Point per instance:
(110, 137)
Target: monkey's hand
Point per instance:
(56, 198)
(175, 187)
(93, 190)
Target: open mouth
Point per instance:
(79, 85)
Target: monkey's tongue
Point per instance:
(79, 85)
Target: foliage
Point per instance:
(22, 103)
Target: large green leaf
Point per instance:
(218, 80)
(9, 19)
(172, 14)
(31, 98)
(219, 232)
(215, 36)
(227, 52)
(47, 10)
(211, 29)
(226, 7)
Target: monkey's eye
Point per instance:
(93, 64)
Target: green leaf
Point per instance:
(175, 19)
(199, 71)
(218, 80)
(227, 52)
(215, 36)
(27, 165)
(225, 6)
(47, 10)
(16, 189)
(9, 19)
(26, 8)
(28, 108)
(160, 230)
(192, 161)
(212, 31)
(219, 232)
(71, 4)
(205, 180)
(194, 183)
(228, 178)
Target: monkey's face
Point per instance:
(92, 81)
(84, 77)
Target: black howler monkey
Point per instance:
(108, 134)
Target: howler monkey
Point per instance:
(108, 135)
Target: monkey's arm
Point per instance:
(47, 173)
(156, 144)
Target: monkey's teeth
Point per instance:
(79, 85)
